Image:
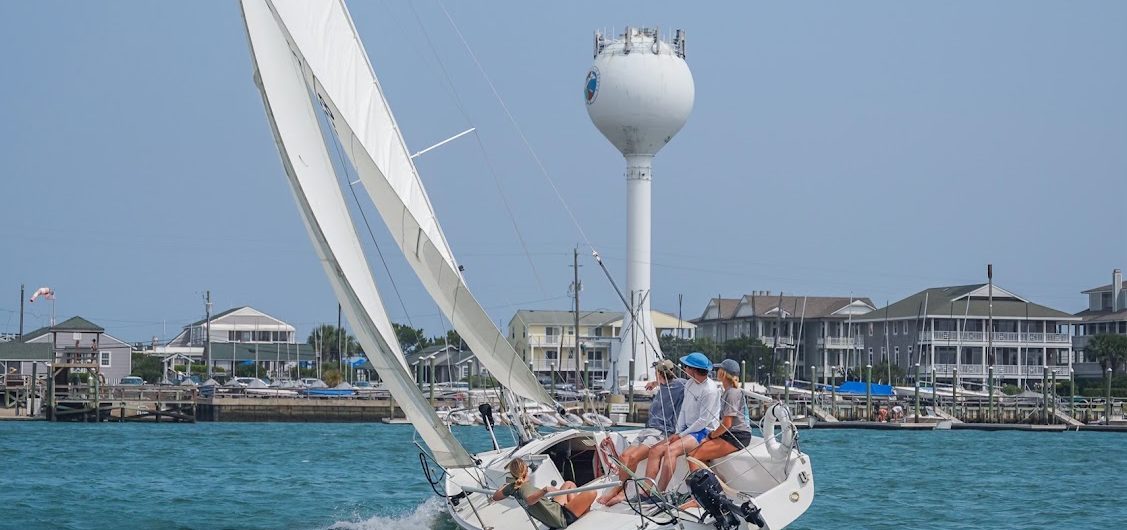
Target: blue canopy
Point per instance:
(858, 388)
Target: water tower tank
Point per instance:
(639, 93)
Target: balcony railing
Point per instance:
(842, 342)
(567, 341)
(1000, 370)
(1000, 337)
(567, 365)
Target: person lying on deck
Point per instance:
(554, 512)
(700, 415)
(651, 443)
(734, 432)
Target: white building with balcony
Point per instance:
(808, 330)
(547, 340)
(949, 330)
(228, 329)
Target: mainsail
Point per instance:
(347, 86)
(285, 82)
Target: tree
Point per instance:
(452, 338)
(329, 339)
(147, 367)
(1109, 350)
(410, 339)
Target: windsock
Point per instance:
(45, 292)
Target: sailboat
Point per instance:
(319, 89)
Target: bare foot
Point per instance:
(691, 504)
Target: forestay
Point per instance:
(346, 83)
(284, 81)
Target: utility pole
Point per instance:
(778, 331)
(575, 286)
(207, 338)
(21, 312)
(990, 333)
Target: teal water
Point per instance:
(364, 476)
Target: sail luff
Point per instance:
(283, 81)
(365, 125)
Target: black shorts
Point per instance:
(569, 517)
(738, 439)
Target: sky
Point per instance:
(869, 148)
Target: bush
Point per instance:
(1011, 390)
(331, 377)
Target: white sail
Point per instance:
(369, 135)
(284, 82)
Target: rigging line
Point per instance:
(371, 234)
(481, 147)
(520, 131)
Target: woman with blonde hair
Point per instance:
(554, 512)
(734, 431)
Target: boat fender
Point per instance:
(709, 494)
(778, 450)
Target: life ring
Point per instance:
(779, 450)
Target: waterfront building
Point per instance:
(546, 340)
(946, 330)
(240, 325)
(1106, 315)
(808, 330)
(75, 341)
(451, 364)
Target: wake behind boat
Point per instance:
(320, 93)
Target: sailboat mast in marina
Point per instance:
(320, 93)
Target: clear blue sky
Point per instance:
(836, 148)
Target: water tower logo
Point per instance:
(591, 88)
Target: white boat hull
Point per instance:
(782, 489)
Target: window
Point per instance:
(262, 336)
(598, 332)
(895, 328)
(465, 371)
(870, 329)
(905, 327)
(896, 350)
(549, 330)
(104, 359)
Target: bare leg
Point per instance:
(653, 458)
(676, 449)
(580, 503)
(631, 457)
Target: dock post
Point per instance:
(990, 392)
(917, 392)
(1053, 396)
(869, 392)
(432, 382)
(51, 399)
(1045, 394)
(1071, 392)
(955, 392)
(631, 389)
(1107, 399)
(833, 401)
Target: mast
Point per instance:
(575, 288)
(21, 311)
(207, 343)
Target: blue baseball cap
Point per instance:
(697, 360)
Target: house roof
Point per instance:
(218, 315)
(727, 309)
(795, 306)
(960, 300)
(1104, 288)
(564, 318)
(26, 351)
(243, 351)
(1102, 316)
(75, 323)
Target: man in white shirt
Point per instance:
(700, 415)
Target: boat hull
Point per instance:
(782, 489)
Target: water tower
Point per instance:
(639, 93)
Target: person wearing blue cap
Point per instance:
(734, 432)
(700, 415)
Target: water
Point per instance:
(365, 476)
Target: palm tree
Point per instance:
(1109, 350)
(329, 339)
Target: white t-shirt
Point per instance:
(700, 408)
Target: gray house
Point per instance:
(450, 364)
(947, 329)
(75, 340)
(1106, 315)
(808, 330)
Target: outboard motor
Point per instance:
(486, 411)
(726, 515)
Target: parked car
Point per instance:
(131, 380)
